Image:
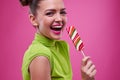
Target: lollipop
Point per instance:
(74, 36)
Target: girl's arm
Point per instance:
(40, 69)
(88, 70)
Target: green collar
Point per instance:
(44, 40)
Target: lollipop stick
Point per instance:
(83, 53)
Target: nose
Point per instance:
(58, 18)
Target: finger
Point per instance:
(91, 69)
(84, 60)
(89, 64)
(86, 67)
(93, 73)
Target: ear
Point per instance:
(33, 20)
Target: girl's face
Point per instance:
(51, 18)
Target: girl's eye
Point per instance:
(50, 14)
(63, 12)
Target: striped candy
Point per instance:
(75, 38)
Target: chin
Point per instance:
(57, 37)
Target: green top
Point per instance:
(57, 53)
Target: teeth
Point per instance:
(57, 27)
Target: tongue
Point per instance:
(56, 32)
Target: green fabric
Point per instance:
(57, 53)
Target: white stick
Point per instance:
(83, 53)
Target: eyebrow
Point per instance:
(55, 9)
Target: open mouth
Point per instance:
(57, 28)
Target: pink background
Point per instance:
(97, 21)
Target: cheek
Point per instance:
(48, 21)
(65, 21)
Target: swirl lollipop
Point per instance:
(74, 36)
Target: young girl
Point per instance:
(47, 58)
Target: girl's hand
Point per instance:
(88, 70)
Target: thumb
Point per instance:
(84, 60)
